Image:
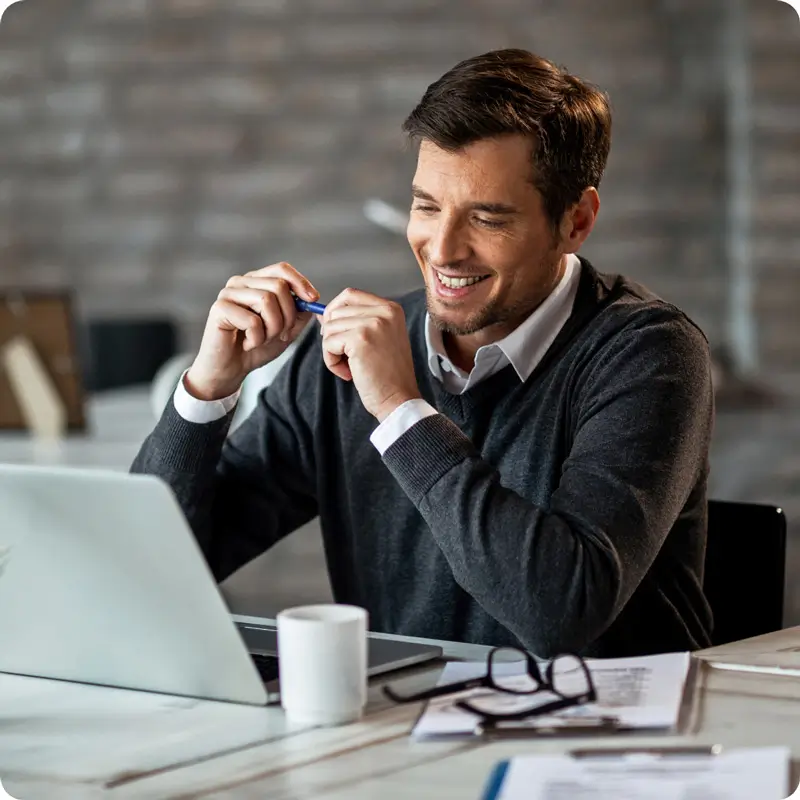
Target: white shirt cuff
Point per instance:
(399, 421)
(201, 411)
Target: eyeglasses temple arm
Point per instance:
(539, 711)
(436, 691)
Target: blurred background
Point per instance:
(153, 148)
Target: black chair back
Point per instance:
(126, 352)
(745, 569)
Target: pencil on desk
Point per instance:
(789, 672)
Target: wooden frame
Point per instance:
(45, 319)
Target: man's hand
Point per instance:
(252, 322)
(364, 339)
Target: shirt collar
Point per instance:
(435, 347)
(525, 346)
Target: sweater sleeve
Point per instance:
(241, 493)
(558, 576)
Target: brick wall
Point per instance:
(152, 148)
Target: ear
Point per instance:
(578, 221)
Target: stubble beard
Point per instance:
(491, 314)
(494, 312)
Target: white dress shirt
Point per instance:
(523, 348)
(202, 411)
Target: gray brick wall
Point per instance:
(151, 148)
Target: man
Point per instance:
(516, 455)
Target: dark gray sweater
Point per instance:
(565, 513)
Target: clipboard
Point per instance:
(697, 769)
(497, 776)
(45, 320)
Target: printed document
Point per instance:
(639, 693)
(747, 774)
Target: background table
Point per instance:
(291, 573)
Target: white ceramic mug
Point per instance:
(322, 653)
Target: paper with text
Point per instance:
(642, 693)
(747, 774)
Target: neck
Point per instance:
(461, 349)
(463, 359)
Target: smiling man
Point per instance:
(516, 455)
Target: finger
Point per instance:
(301, 285)
(352, 327)
(280, 287)
(358, 332)
(356, 312)
(231, 316)
(265, 304)
(334, 357)
(355, 297)
(340, 369)
(338, 365)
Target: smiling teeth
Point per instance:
(457, 283)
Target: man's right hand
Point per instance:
(252, 322)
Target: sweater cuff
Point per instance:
(425, 453)
(399, 421)
(189, 446)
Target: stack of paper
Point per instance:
(753, 774)
(639, 693)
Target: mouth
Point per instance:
(458, 282)
(455, 286)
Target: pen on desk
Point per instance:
(789, 672)
(305, 305)
(677, 750)
(573, 727)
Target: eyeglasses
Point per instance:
(566, 678)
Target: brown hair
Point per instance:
(516, 92)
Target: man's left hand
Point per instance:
(365, 340)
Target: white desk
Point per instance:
(66, 740)
(61, 740)
(117, 424)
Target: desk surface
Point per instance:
(63, 740)
(74, 741)
(117, 423)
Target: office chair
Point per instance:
(125, 351)
(744, 569)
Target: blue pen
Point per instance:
(304, 305)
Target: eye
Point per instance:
(425, 209)
(489, 223)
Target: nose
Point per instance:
(447, 243)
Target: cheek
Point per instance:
(417, 234)
(501, 253)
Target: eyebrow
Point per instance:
(488, 208)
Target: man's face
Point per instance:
(479, 231)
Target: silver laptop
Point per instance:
(102, 582)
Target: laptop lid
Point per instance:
(384, 654)
(102, 581)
